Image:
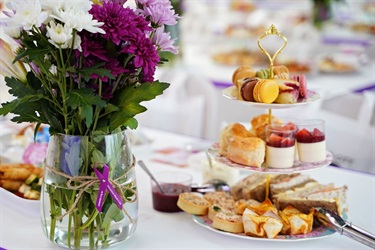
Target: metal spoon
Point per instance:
(211, 186)
(143, 166)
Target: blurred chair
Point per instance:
(350, 129)
(189, 106)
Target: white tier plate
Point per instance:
(228, 93)
(213, 151)
(316, 233)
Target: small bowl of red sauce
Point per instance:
(172, 183)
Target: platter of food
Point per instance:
(280, 207)
(231, 93)
(316, 233)
(298, 166)
(20, 187)
(338, 64)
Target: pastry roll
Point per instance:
(16, 171)
(11, 185)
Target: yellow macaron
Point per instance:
(266, 91)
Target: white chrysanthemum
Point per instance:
(53, 69)
(14, 32)
(25, 14)
(59, 35)
(62, 36)
(76, 15)
(50, 5)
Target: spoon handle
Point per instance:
(143, 166)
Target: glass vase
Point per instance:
(89, 194)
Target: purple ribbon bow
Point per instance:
(105, 185)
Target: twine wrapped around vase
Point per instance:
(88, 181)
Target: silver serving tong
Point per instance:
(334, 221)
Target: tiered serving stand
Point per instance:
(213, 152)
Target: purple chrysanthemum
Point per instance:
(146, 56)
(120, 24)
(159, 12)
(91, 46)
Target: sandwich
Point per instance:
(254, 186)
(313, 195)
(284, 182)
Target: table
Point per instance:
(157, 230)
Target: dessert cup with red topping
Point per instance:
(311, 143)
(280, 149)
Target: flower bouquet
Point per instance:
(83, 68)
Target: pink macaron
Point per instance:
(301, 78)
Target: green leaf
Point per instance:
(128, 102)
(95, 69)
(32, 53)
(113, 213)
(98, 156)
(25, 105)
(18, 88)
(85, 99)
(131, 123)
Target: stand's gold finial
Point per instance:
(272, 31)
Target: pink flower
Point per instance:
(163, 41)
(159, 12)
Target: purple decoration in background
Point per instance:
(221, 84)
(104, 186)
(346, 40)
(371, 87)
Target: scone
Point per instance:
(192, 203)
(248, 151)
(231, 132)
(259, 123)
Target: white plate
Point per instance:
(24, 206)
(228, 93)
(316, 233)
(213, 151)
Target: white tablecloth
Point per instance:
(157, 230)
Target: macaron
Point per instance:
(247, 89)
(244, 71)
(302, 84)
(280, 72)
(263, 74)
(288, 91)
(266, 91)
